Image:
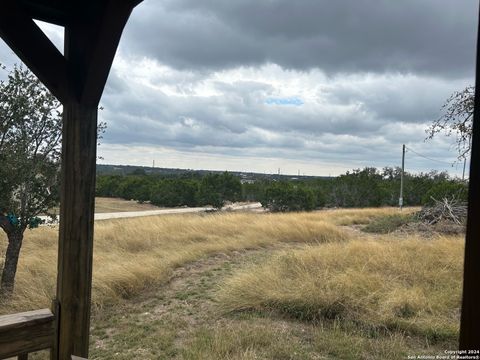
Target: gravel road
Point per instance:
(130, 214)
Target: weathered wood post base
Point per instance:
(75, 250)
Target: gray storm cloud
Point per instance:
(429, 36)
(242, 82)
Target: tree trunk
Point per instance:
(11, 260)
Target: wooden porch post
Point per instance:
(92, 32)
(90, 46)
(77, 201)
(76, 228)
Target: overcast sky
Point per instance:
(315, 86)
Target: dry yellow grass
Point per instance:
(411, 285)
(362, 216)
(129, 254)
(370, 285)
(263, 338)
(106, 205)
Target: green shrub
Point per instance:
(288, 197)
(389, 223)
(447, 190)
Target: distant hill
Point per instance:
(167, 172)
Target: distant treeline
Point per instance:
(369, 187)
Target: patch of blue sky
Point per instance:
(295, 101)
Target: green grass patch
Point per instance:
(351, 346)
(389, 223)
(247, 340)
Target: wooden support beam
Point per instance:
(107, 31)
(92, 33)
(470, 318)
(50, 11)
(91, 43)
(34, 48)
(89, 51)
(26, 332)
(75, 250)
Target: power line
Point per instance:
(428, 158)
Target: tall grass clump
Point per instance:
(389, 223)
(411, 286)
(130, 254)
(364, 216)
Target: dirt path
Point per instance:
(182, 320)
(130, 214)
(158, 323)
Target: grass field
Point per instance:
(409, 286)
(107, 205)
(131, 254)
(111, 205)
(258, 286)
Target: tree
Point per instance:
(30, 146)
(216, 189)
(359, 188)
(285, 196)
(108, 185)
(456, 120)
(446, 190)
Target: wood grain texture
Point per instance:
(26, 332)
(90, 45)
(75, 249)
(102, 46)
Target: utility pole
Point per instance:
(400, 200)
(465, 158)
